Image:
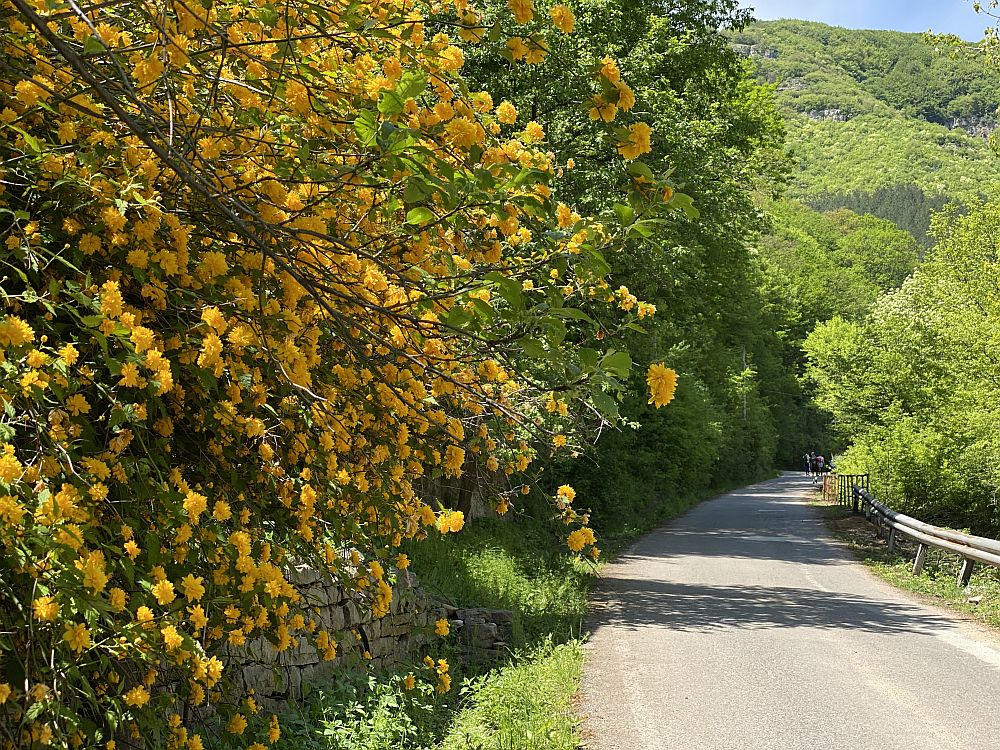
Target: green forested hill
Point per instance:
(860, 72)
(878, 121)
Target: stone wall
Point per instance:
(479, 636)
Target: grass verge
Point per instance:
(936, 584)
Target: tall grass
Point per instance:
(524, 567)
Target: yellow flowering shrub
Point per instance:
(266, 269)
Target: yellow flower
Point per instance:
(130, 375)
(566, 493)
(117, 598)
(273, 729)
(164, 592)
(441, 627)
(409, 682)
(662, 382)
(171, 638)
(402, 561)
(144, 616)
(522, 10)
(35, 358)
(195, 504)
(609, 69)
(111, 300)
(10, 467)
(77, 404)
(451, 521)
(533, 132)
(464, 133)
(198, 618)
(193, 587)
(506, 113)
(5, 692)
(46, 608)
(562, 18)
(637, 142)
(137, 696)
(237, 724)
(77, 636)
(221, 511)
(444, 683)
(626, 98)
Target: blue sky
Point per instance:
(943, 16)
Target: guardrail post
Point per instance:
(965, 573)
(854, 505)
(920, 559)
(892, 539)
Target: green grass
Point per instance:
(527, 704)
(523, 566)
(936, 584)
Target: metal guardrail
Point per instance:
(971, 549)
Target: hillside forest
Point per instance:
(467, 290)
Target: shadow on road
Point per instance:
(632, 604)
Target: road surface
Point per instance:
(744, 625)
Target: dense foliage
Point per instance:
(912, 385)
(870, 72)
(267, 274)
(715, 314)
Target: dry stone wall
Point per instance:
(481, 636)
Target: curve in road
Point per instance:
(744, 625)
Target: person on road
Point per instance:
(808, 459)
(820, 461)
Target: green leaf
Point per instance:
(416, 190)
(412, 84)
(419, 215)
(617, 363)
(626, 214)
(572, 313)
(509, 289)
(589, 357)
(605, 404)
(365, 126)
(685, 204)
(533, 348)
(484, 309)
(391, 103)
(458, 317)
(93, 46)
(268, 16)
(638, 169)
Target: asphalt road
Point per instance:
(744, 625)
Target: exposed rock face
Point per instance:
(755, 50)
(978, 127)
(837, 115)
